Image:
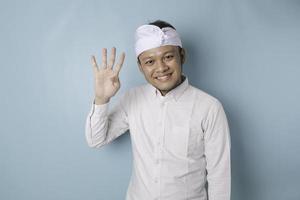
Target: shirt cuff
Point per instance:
(100, 110)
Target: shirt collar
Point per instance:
(173, 94)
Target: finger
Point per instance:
(104, 58)
(112, 58)
(120, 63)
(94, 64)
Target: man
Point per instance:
(180, 135)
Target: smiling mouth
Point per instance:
(164, 78)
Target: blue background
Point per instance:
(245, 53)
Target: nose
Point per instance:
(162, 67)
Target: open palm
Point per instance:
(106, 76)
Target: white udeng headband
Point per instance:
(150, 36)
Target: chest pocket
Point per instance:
(177, 130)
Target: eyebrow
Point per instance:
(150, 56)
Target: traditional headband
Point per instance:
(150, 36)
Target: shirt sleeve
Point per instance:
(104, 125)
(217, 153)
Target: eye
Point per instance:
(149, 62)
(168, 57)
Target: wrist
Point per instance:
(99, 101)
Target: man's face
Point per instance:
(161, 67)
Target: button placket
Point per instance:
(159, 144)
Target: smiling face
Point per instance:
(162, 67)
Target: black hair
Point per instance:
(161, 24)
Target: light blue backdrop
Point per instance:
(245, 53)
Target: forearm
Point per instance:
(219, 179)
(103, 125)
(97, 125)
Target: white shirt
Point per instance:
(180, 141)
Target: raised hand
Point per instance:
(106, 76)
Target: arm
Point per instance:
(102, 126)
(217, 152)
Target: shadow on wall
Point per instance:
(199, 60)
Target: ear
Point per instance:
(182, 55)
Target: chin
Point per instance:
(165, 87)
(165, 83)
